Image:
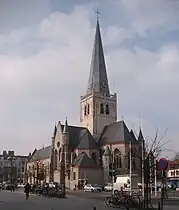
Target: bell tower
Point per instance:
(98, 107)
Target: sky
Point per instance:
(45, 54)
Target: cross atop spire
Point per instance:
(98, 80)
(97, 14)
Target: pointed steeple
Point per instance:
(98, 80)
(140, 136)
(59, 128)
(55, 130)
(65, 129)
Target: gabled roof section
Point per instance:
(87, 141)
(80, 137)
(132, 133)
(98, 80)
(116, 132)
(140, 137)
(83, 161)
(41, 154)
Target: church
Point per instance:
(99, 141)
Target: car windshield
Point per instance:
(95, 185)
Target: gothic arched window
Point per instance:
(102, 108)
(117, 159)
(128, 160)
(59, 155)
(88, 110)
(85, 110)
(133, 164)
(93, 157)
(107, 109)
(55, 159)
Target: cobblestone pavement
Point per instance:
(16, 201)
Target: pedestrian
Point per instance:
(27, 190)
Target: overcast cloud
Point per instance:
(45, 53)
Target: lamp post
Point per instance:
(130, 173)
(62, 173)
(11, 159)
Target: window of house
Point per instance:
(74, 175)
(172, 173)
(85, 110)
(107, 109)
(88, 109)
(102, 108)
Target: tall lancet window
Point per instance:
(88, 110)
(59, 155)
(102, 108)
(85, 110)
(55, 159)
(107, 109)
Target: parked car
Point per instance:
(20, 185)
(92, 188)
(108, 187)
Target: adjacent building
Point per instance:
(89, 149)
(173, 173)
(12, 167)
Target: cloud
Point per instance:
(151, 16)
(45, 67)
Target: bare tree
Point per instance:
(37, 170)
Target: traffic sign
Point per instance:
(163, 164)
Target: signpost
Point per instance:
(162, 165)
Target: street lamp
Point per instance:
(11, 159)
(62, 173)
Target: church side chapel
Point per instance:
(89, 149)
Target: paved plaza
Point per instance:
(16, 201)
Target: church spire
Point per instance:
(98, 80)
(65, 129)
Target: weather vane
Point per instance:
(97, 14)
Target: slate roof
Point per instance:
(82, 160)
(116, 132)
(98, 80)
(80, 137)
(41, 154)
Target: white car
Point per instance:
(92, 188)
(20, 185)
(108, 187)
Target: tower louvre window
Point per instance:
(102, 108)
(88, 109)
(107, 109)
(85, 110)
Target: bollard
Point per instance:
(159, 206)
(94, 208)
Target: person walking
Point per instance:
(27, 190)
